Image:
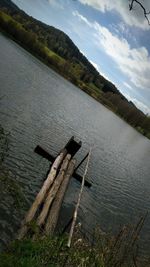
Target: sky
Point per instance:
(115, 40)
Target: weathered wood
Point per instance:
(72, 146)
(51, 194)
(78, 203)
(45, 154)
(41, 195)
(56, 205)
(81, 162)
(67, 226)
(42, 152)
(78, 177)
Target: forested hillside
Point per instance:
(58, 51)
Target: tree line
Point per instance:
(58, 51)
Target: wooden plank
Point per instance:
(81, 162)
(56, 205)
(45, 154)
(41, 195)
(42, 152)
(67, 226)
(53, 190)
(72, 146)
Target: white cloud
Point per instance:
(95, 65)
(81, 18)
(56, 4)
(127, 85)
(138, 104)
(133, 62)
(97, 4)
(133, 18)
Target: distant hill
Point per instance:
(8, 4)
(61, 44)
(58, 51)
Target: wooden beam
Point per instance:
(45, 154)
(78, 202)
(72, 146)
(78, 177)
(52, 192)
(81, 162)
(41, 195)
(56, 205)
(42, 152)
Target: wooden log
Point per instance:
(45, 154)
(41, 195)
(78, 177)
(78, 202)
(67, 226)
(72, 146)
(42, 152)
(56, 205)
(51, 194)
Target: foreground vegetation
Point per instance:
(58, 51)
(105, 251)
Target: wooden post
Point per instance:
(78, 203)
(56, 205)
(81, 162)
(41, 195)
(51, 194)
(42, 152)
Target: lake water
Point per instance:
(37, 106)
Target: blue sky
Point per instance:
(114, 39)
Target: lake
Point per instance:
(38, 106)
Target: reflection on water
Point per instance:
(40, 107)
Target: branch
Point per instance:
(144, 9)
(78, 202)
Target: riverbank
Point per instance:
(104, 251)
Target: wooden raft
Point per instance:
(45, 209)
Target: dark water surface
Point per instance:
(37, 106)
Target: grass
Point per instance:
(52, 54)
(50, 252)
(5, 16)
(104, 251)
